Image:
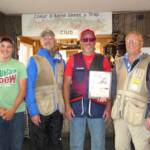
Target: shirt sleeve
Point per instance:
(114, 84)
(22, 72)
(31, 84)
(69, 66)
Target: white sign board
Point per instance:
(99, 84)
(67, 25)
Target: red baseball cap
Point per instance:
(87, 31)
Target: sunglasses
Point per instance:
(88, 40)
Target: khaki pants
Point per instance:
(124, 132)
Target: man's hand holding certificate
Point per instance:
(99, 84)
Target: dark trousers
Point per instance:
(47, 136)
(12, 132)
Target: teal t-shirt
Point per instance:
(10, 74)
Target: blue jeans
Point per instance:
(12, 133)
(77, 133)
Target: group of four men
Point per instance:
(54, 89)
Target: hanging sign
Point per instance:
(67, 25)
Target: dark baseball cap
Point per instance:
(6, 39)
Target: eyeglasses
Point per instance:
(135, 42)
(88, 40)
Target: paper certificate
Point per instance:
(99, 84)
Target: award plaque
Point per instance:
(99, 84)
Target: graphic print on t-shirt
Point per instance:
(7, 76)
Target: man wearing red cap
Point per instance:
(81, 110)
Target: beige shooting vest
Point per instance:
(49, 87)
(132, 93)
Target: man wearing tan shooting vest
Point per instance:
(44, 95)
(131, 108)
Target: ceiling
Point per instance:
(50, 6)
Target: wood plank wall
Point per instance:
(10, 25)
(124, 22)
(2, 30)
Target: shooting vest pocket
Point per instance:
(45, 99)
(115, 113)
(134, 112)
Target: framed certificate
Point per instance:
(99, 84)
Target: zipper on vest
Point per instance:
(90, 107)
(82, 107)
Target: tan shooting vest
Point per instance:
(132, 93)
(49, 87)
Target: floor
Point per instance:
(109, 144)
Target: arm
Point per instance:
(9, 113)
(30, 94)
(148, 107)
(113, 92)
(107, 112)
(66, 92)
(148, 117)
(114, 84)
(66, 89)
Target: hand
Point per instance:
(102, 100)
(2, 111)
(36, 120)
(106, 115)
(7, 114)
(148, 123)
(107, 112)
(69, 114)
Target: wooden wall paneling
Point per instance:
(115, 22)
(140, 22)
(27, 40)
(36, 46)
(35, 43)
(124, 22)
(147, 23)
(13, 26)
(2, 29)
(130, 22)
(146, 32)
